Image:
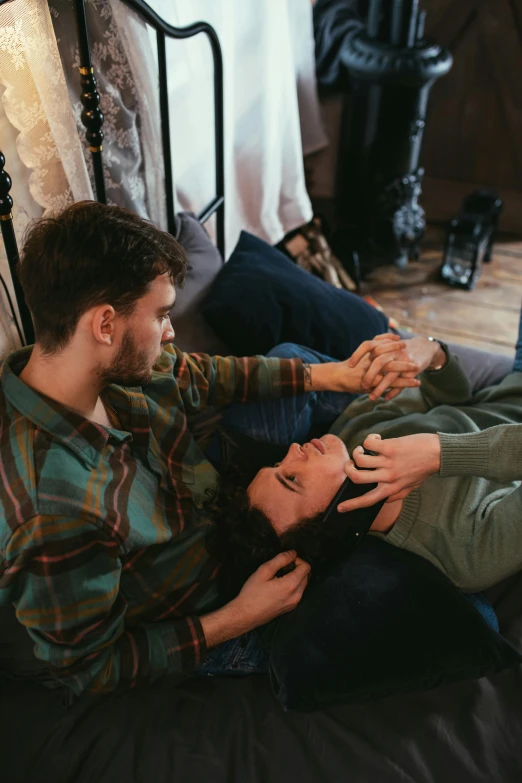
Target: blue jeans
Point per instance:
(285, 421)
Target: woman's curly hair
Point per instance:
(242, 537)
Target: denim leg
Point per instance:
(289, 419)
(482, 605)
(517, 366)
(236, 658)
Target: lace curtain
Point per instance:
(44, 141)
(126, 76)
(43, 138)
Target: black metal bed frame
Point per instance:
(92, 119)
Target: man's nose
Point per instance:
(168, 333)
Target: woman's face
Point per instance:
(303, 484)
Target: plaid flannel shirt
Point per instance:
(102, 531)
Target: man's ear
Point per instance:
(103, 324)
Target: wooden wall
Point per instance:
(474, 129)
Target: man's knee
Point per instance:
(293, 350)
(287, 351)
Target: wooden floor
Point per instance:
(486, 317)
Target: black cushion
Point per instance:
(383, 622)
(260, 299)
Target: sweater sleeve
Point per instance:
(494, 454)
(449, 386)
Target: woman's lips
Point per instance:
(319, 445)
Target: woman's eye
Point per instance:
(291, 478)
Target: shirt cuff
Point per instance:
(185, 643)
(291, 377)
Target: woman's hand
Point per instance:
(383, 365)
(347, 376)
(387, 356)
(401, 465)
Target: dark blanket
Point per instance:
(233, 731)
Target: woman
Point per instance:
(467, 525)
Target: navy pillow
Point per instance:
(383, 622)
(260, 299)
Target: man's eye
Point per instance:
(291, 478)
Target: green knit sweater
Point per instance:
(466, 520)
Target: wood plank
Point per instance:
(451, 337)
(486, 317)
(493, 323)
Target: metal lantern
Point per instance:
(470, 237)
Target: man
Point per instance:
(102, 526)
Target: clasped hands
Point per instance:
(381, 367)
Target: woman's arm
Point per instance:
(494, 454)
(404, 463)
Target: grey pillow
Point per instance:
(193, 333)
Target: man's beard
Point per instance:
(131, 366)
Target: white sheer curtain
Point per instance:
(268, 53)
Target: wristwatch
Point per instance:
(446, 351)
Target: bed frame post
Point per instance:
(163, 31)
(92, 115)
(165, 130)
(11, 249)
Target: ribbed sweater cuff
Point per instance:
(462, 455)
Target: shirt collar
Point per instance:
(82, 436)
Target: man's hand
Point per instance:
(262, 598)
(385, 357)
(395, 371)
(401, 465)
(265, 596)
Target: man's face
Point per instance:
(303, 484)
(147, 330)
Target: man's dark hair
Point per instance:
(85, 256)
(242, 537)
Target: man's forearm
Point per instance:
(327, 376)
(224, 624)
